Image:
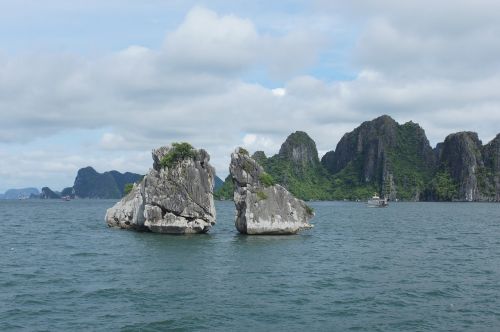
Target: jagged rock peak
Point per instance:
(259, 156)
(371, 137)
(328, 159)
(299, 148)
(244, 169)
(383, 119)
(176, 196)
(387, 155)
(464, 136)
(263, 207)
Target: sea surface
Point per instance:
(409, 267)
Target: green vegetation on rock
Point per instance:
(381, 156)
(308, 183)
(178, 152)
(443, 186)
(243, 151)
(128, 188)
(347, 184)
(266, 179)
(384, 157)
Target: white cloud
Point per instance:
(206, 41)
(279, 92)
(249, 139)
(445, 76)
(424, 38)
(112, 141)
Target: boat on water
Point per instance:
(376, 201)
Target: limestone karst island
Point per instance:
(177, 195)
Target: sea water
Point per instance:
(408, 267)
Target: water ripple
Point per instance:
(411, 267)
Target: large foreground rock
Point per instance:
(175, 199)
(263, 207)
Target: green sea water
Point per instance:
(409, 267)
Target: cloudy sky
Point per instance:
(101, 83)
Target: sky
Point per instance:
(102, 83)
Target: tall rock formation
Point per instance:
(473, 168)
(491, 180)
(461, 156)
(263, 207)
(384, 156)
(300, 150)
(175, 197)
(297, 168)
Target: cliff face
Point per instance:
(368, 143)
(91, 184)
(473, 168)
(461, 157)
(383, 156)
(300, 150)
(491, 184)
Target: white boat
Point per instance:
(376, 201)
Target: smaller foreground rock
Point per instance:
(263, 207)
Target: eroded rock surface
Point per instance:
(261, 206)
(174, 199)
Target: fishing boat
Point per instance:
(376, 201)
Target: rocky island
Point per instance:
(175, 197)
(392, 159)
(263, 207)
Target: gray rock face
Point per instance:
(474, 168)
(177, 199)
(129, 212)
(461, 154)
(300, 149)
(262, 208)
(387, 155)
(491, 152)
